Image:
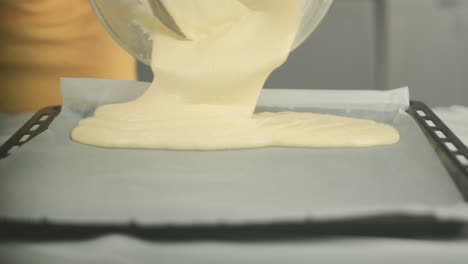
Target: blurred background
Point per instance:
(383, 44)
(361, 44)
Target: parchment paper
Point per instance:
(56, 178)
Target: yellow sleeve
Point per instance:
(44, 40)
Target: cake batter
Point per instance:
(206, 88)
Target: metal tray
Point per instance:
(448, 147)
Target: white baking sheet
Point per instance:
(55, 178)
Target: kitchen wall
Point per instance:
(428, 49)
(339, 55)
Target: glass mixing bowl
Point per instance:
(116, 18)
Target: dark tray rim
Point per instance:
(439, 135)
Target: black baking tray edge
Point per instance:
(446, 144)
(34, 126)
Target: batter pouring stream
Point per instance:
(206, 88)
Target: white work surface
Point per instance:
(120, 249)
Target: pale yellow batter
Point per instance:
(206, 88)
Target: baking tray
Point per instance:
(448, 147)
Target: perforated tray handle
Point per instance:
(449, 148)
(35, 126)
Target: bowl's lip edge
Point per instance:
(112, 33)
